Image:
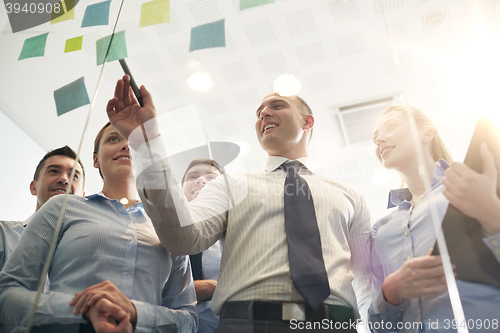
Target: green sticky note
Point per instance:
(73, 44)
(207, 36)
(71, 96)
(96, 14)
(245, 4)
(155, 12)
(34, 47)
(118, 49)
(65, 15)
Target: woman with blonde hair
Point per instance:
(409, 290)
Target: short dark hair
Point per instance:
(202, 161)
(97, 141)
(63, 151)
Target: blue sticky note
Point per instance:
(34, 47)
(117, 50)
(208, 35)
(71, 96)
(96, 14)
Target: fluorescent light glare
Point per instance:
(287, 85)
(200, 81)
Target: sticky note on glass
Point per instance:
(73, 44)
(155, 12)
(64, 14)
(96, 14)
(71, 96)
(207, 36)
(34, 47)
(117, 50)
(245, 4)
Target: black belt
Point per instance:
(280, 311)
(58, 328)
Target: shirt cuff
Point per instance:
(147, 154)
(387, 311)
(63, 312)
(493, 242)
(145, 316)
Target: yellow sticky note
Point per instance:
(155, 12)
(73, 44)
(68, 15)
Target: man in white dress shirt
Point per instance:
(51, 178)
(255, 292)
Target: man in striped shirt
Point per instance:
(255, 291)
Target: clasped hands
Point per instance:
(109, 310)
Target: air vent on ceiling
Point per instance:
(357, 121)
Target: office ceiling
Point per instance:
(340, 50)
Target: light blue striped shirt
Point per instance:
(10, 231)
(99, 240)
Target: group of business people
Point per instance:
(304, 257)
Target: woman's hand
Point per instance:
(417, 277)
(125, 113)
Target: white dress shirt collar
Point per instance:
(273, 162)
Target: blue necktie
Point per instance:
(305, 257)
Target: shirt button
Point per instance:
(409, 257)
(406, 233)
(438, 164)
(494, 242)
(438, 178)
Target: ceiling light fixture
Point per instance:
(287, 85)
(200, 81)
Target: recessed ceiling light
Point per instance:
(381, 178)
(287, 85)
(436, 23)
(200, 81)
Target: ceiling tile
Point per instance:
(214, 106)
(272, 63)
(132, 34)
(260, 33)
(236, 72)
(204, 11)
(149, 63)
(427, 20)
(247, 98)
(181, 55)
(168, 28)
(88, 43)
(390, 67)
(389, 5)
(481, 10)
(351, 43)
(397, 30)
(166, 90)
(319, 81)
(312, 53)
(229, 48)
(300, 22)
(227, 128)
(344, 11)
